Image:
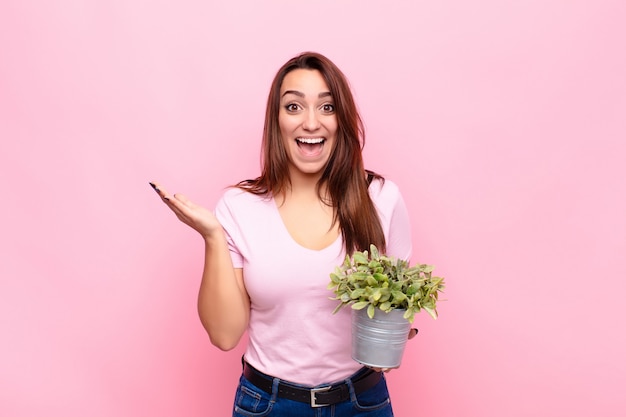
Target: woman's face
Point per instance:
(307, 121)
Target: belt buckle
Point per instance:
(314, 391)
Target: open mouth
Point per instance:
(311, 146)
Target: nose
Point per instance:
(311, 120)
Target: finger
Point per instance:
(186, 211)
(413, 333)
(173, 203)
(182, 207)
(159, 190)
(184, 200)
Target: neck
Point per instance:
(304, 186)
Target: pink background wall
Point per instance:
(503, 122)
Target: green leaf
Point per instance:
(409, 314)
(398, 296)
(386, 295)
(338, 308)
(357, 277)
(432, 312)
(381, 277)
(359, 292)
(360, 305)
(374, 252)
(427, 268)
(360, 258)
(370, 311)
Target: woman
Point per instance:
(273, 241)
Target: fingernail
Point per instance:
(154, 186)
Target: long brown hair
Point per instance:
(345, 177)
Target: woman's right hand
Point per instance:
(223, 303)
(197, 217)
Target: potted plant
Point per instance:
(385, 294)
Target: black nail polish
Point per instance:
(154, 187)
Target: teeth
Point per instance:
(310, 140)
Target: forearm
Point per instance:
(223, 303)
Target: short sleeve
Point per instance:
(394, 218)
(399, 243)
(227, 218)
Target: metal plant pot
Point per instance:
(379, 342)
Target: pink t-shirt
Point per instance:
(292, 332)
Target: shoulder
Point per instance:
(384, 190)
(237, 200)
(234, 194)
(386, 196)
(237, 195)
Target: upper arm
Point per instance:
(242, 288)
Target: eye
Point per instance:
(292, 107)
(328, 108)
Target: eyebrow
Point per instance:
(301, 94)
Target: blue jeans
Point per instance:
(251, 401)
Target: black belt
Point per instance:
(317, 397)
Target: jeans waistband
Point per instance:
(318, 396)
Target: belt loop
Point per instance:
(275, 383)
(351, 389)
